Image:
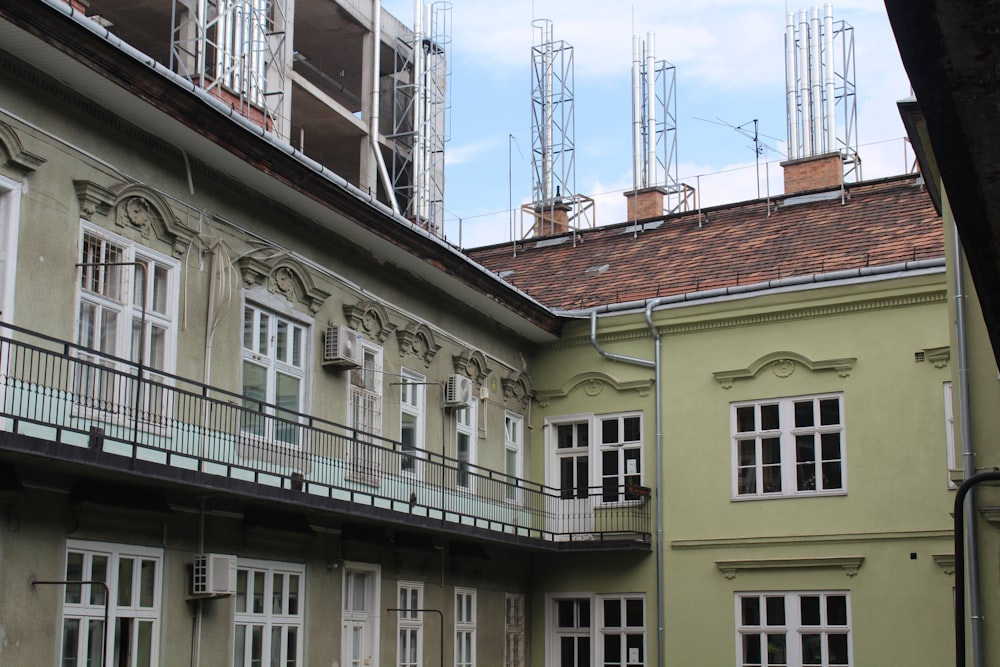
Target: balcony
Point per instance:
(62, 402)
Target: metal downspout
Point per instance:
(658, 418)
(968, 453)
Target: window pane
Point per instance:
(277, 593)
(747, 480)
(257, 646)
(612, 649)
(74, 572)
(241, 590)
(248, 328)
(584, 606)
(281, 341)
(775, 610)
(265, 324)
(358, 591)
(147, 582)
(564, 614)
(837, 647)
(770, 451)
(829, 411)
(582, 477)
(609, 431)
(98, 572)
(751, 650)
(769, 417)
(831, 476)
(158, 303)
(804, 414)
(125, 567)
(582, 435)
(747, 452)
(750, 611)
(71, 637)
(293, 595)
(633, 614)
(276, 646)
(566, 652)
(144, 644)
(812, 650)
(612, 614)
(836, 610)
(239, 645)
(258, 592)
(810, 609)
(292, 647)
(609, 462)
(776, 650)
(745, 419)
(296, 347)
(831, 446)
(95, 642)
(632, 431)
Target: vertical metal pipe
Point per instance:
(804, 105)
(791, 104)
(650, 111)
(828, 78)
(816, 82)
(417, 162)
(373, 121)
(637, 179)
(547, 112)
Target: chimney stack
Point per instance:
(814, 172)
(644, 203)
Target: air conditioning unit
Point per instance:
(214, 574)
(341, 347)
(457, 391)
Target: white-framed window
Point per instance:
(133, 576)
(268, 614)
(361, 592)
(241, 47)
(621, 456)
(515, 624)
(597, 450)
(793, 629)
(513, 446)
(275, 359)
(465, 446)
(465, 627)
(789, 447)
(10, 205)
(954, 468)
(412, 409)
(365, 412)
(410, 625)
(127, 308)
(586, 630)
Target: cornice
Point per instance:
(783, 364)
(794, 540)
(641, 331)
(593, 383)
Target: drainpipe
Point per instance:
(968, 454)
(658, 412)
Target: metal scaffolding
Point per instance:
(820, 88)
(555, 206)
(234, 49)
(420, 119)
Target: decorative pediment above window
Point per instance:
(94, 198)
(849, 564)
(472, 363)
(138, 208)
(284, 276)
(371, 318)
(517, 387)
(593, 384)
(782, 365)
(13, 158)
(418, 340)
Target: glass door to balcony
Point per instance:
(575, 512)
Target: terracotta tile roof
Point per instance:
(882, 222)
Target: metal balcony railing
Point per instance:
(60, 391)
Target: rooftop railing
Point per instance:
(60, 391)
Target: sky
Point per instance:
(729, 60)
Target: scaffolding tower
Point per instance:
(420, 119)
(235, 49)
(820, 92)
(555, 205)
(654, 126)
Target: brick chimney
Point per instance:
(645, 203)
(816, 172)
(551, 220)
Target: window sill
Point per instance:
(779, 496)
(729, 568)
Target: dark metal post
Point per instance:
(960, 495)
(107, 597)
(441, 624)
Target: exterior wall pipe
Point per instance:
(417, 152)
(805, 107)
(816, 82)
(968, 459)
(637, 179)
(961, 499)
(658, 444)
(373, 120)
(828, 79)
(791, 104)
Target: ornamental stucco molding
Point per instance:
(593, 384)
(517, 388)
(370, 318)
(945, 561)
(284, 276)
(939, 356)
(417, 340)
(850, 564)
(140, 209)
(16, 160)
(783, 364)
(472, 364)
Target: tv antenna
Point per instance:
(759, 147)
